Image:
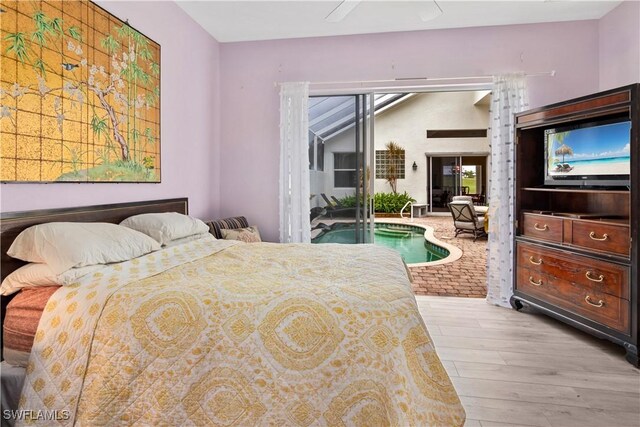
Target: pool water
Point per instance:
(409, 241)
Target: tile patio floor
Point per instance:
(465, 277)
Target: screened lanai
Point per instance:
(337, 157)
(436, 164)
(330, 115)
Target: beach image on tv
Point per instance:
(597, 150)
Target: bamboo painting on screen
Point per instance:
(79, 95)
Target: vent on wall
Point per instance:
(457, 133)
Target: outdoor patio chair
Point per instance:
(462, 199)
(316, 212)
(336, 202)
(480, 210)
(334, 208)
(327, 201)
(466, 220)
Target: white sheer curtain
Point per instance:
(509, 97)
(295, 226)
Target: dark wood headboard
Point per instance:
(12, 223)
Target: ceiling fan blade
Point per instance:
(431, 12)
(342, 10)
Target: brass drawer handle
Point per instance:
(588, 300)
(539, 262)
(604, 237)
(599, 279)
(537, 227)
(534, 283)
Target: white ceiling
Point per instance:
(232, 21)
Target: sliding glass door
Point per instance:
(455, 175)
(340, 163)
(443, 181)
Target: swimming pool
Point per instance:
(408, 240)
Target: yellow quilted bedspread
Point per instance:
(232, 334)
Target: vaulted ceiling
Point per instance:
(231, 21)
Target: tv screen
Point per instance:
(589, 154)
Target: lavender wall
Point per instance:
(190, 121)
(250, 134)
(619, 46)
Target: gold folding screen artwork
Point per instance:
(79, 95)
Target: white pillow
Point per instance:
(188, 239)
(63, 245)
(36, 274)
(165, 227)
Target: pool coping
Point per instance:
(455, 253)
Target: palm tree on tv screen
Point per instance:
(564, 150)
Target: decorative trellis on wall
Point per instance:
(79, 95)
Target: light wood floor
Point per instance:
(519, 368)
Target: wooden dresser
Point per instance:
(576, 248)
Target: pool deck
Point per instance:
(465, 277)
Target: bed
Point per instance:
(216, 332)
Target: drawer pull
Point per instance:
(600, 277)
(534, 283)
(539, 262)
(604, 237)
(599, 304)
(543, 228)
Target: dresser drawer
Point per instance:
(543, 227)
(600, 276)
(581, 300)
(601, 237)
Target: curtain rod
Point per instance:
(551, 73)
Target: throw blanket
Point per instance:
(226, 333)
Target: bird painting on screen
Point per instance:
(67, 66)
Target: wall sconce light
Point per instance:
(415, 166)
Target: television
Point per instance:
(589, 154)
